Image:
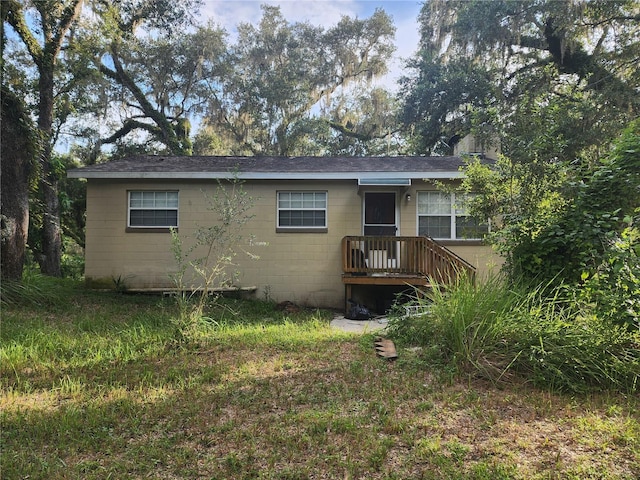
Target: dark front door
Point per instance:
(380, 213)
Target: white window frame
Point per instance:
(320, 206)
(454, 211)
(157, 204)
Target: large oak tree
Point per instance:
(569, 66)
(44, 37)
(282, 74)
(57, 69)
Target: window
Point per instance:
(443, 216)
(149, 209)
(302, 209)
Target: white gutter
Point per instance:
(261, 175)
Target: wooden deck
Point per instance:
(391, 260)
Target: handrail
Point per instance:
(411, 256)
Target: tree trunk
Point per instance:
(51, 253)
(49, 258)
(56, 18)
(18, 148)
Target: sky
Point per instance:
(327, 13)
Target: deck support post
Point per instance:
(347, 297)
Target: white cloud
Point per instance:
(229, 13)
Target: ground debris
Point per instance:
(288, 307)
(385, 348)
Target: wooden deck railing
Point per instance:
(402, 256)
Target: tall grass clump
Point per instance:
(460, 324)
(539, 333)
(559, 343)
(35, 289)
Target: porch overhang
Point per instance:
(401, 183)
(387, 182)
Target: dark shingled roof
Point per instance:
(158, 166)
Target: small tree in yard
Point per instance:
(209, 262)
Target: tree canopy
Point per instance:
(492, 66)
(281, 75)
(152, 75)
(49, 71)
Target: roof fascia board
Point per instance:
(260, 175)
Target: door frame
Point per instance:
(396, 211)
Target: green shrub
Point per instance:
(207, 260)
(541, 334)
(614, 288)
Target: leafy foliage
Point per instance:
(504, 332)
(434, 98)
(562, 225)
(364, 123)
(158, 82)
(550, 78)
(207, 262)
(614, 286)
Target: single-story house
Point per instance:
(325, 229)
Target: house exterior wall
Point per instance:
(304, 268)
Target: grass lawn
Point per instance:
(95, 386)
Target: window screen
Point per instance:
(443, 216)
(302, 209)
(153, 209)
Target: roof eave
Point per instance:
(259, 175)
